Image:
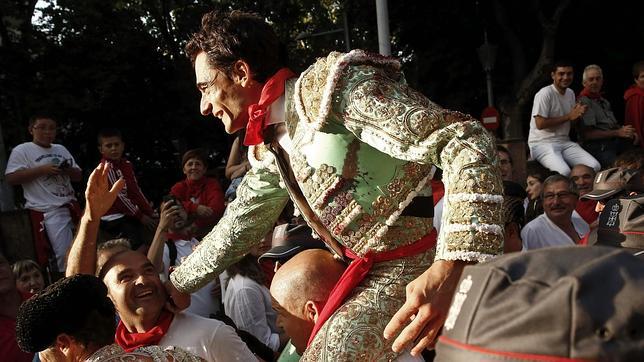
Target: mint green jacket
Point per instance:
(363, 146)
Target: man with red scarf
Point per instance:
(602, 135)
(137, 292)
(354, 147)
(634, 98)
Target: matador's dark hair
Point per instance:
(227, 37)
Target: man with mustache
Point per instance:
(556, 226)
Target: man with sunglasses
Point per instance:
(559, 225)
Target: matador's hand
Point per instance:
(428, 300)
(177, 301)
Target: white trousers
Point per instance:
(59, 229)
(562, 156)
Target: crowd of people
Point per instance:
(354, 212)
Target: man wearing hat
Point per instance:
(610, 185)
(288, 240)
(621, 224)
(555, 304)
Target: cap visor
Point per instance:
(281, 252)
(448, 349)
(600, 194)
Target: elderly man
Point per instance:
(354, 147)
(582, 176)
(137, 292)
(603, 136)
(556, 226)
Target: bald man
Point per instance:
(300, 289)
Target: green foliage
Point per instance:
(97, 63)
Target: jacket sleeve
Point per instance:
(260, 200)
(388, 115)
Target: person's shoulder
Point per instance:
(197, 320)
(535, 224)
(24, 147)
(584, 100)
(59, 147)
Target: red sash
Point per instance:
(131, 341)
(360, 267)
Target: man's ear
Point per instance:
(311, 311)
(241, 73)
(65, 344)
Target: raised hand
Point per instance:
(577, 111)
(168, 215)
(98, 195)
(177, 300)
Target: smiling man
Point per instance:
(553, 112)
(604, 137)
(137, 292)
(557, 226)
(354, 147)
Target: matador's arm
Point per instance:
(259, 202)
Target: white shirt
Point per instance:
(202, 302)
(549, 103)
(44, 193)
(542, 232)
(209, 339)
(248, 304)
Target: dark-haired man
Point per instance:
(553, 112)
(73, 320)
(137, 292)
(355, 147)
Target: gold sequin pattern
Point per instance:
(354, 332)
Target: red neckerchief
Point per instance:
(358, 270)
(272, 90)
(131, 341)
(586, 93)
